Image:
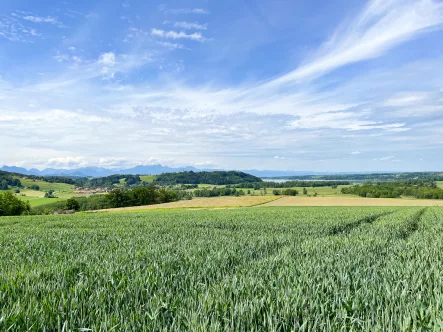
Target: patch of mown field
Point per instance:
(63, 191)
(306, 269)
(45, 186)
(36, 201)
(440, 184)
(321, 191)
(148, 178)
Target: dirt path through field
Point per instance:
(352, 201)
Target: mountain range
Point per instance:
(152, 170)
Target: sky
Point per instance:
(236, 84)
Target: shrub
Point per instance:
(72, 204)
(12, 206)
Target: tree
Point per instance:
(142, 196)
(12, 206)
(4, 185)
(166, 196)
(72, 204)
(305, 191)
(290, 192)
(50, 194)
(118, 198)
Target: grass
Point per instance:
(45, 186)
(306, 269)
(36, 201)
(63, 191)
(321, 191)
(148, 178)
(440, 184)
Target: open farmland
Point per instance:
(212, 202)
(147, 178)
(321, 191)
(273, 201)
(366, 268)
(45, 186)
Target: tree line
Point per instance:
(213, 178)
(411, 188)
(373, 177)
(115, 199)
(289, 184)
(6, 180)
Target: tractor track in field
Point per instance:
(411, 225)
(348, 227)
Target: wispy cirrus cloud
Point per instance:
(198, 11)
(381, 26)
(171, 45)
(189, 25)
(42, 19)
(343, 120)
(196, 36)
(21, 26)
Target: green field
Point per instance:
(147, 178)
(240, 269)
(321, 191)
(63, 191)
(45, 186)
(440, 184)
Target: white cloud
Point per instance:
(107, 59)
(171, 45)
(198, 11)
(381, 26)
(72, 48)
(190, 25)
(61, 57)
(355, 152)
(41, 19)
(390, 159)
(207, 163)
(407, 99)
(281, 158)
(50, 116)
(386, 158)
(67, 162)
(197, 36)
(341, 120)
(113, 162)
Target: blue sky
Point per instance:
(285, 85)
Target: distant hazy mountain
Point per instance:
(271, 173)
(97, 171)
(153, 170)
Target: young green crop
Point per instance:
(241, 269)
